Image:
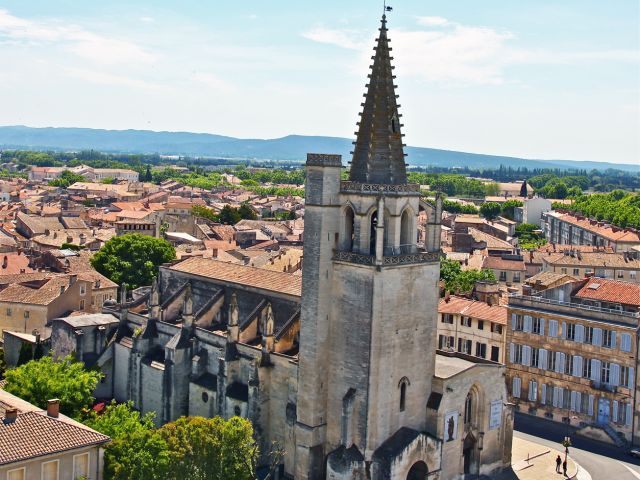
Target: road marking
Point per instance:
(631, 470)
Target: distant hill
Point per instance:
(290, 148)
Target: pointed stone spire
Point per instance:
(378, 156)
(154, 301)
(233, 329)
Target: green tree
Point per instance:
(3, 365)
(246, 212)
(132, 259)
(211, 448)
(148, 176)
(26, 353)
(462, 281)
(40, 380)
(119, 420)
(523, 189)
(66, 178)
(490, 210)
(507, 209)
(229, 215)
(108, 180)
(143, 455)
(204, 212)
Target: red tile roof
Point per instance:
(474, 309)
(610, 291)
(34, 434)
(242, 275)
(497, 263)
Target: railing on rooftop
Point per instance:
(581, 306)
(387, 260)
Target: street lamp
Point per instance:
(566, 443)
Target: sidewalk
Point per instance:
(532, 461)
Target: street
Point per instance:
(603, 462)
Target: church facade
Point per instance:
(339, 366)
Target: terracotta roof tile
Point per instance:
(34, 434)
(242, 275)
(497, 263)
(474, 309)
(610, 291)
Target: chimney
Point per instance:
(447, 296)
(5, 261)
(69, 239)
(36, 334)
(10, 415)
(72, 279)
(83, 239)
(53, 408)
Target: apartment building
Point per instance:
(508, 269)
(624, 266)
(568, 229)
(37, 443)
(45, 174)
(572, 354)
(474, 327)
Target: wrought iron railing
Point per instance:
(408, 259)
(581, 306)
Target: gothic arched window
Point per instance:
(349, 218)
(373, 231)
(468, 409)
(404, 382)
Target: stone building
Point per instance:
(573, 355)
(339, 365)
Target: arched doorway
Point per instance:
(405, 231)
(419, 471)
(468, 452)
(372, 233)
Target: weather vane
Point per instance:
(385, 8)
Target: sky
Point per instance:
(548, 79)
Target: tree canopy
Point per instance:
(462, 281)
(66, 178)
(490, 210)
(132, 259)
(67, 380)
(618, 207)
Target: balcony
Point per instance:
(603, 387)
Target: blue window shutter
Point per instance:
(590, 405)
(632, 377)
(542, 326)
(615, 412)
(543, 393)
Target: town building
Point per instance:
(324, 364)
(46, 174)
(37, 443)
(569, 229)
(623, 266)
(531, 210)
(508, 269)
(573, 355)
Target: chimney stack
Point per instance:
(53, 408)
(10, 415)
(5, 261)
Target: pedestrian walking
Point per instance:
(564, 468)
(558, 463)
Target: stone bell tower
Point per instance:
(369, 296)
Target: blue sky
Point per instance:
(539, 79)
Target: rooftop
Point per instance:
(449, 366)
(474, 309)
(610, 291)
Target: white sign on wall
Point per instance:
(495, 417)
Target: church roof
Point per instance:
(378, 156)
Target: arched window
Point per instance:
(419, 471)
(468, 409)
(349, 218)
(405, 230)
(404, 382)
(372, 233)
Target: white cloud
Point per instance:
(448, 52)
(432, 21)
(110, 79)
(213, 81)
(341, 38)
(72, 38)
(147, 19)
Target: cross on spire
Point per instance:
(378, 156)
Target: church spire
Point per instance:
(378, 156)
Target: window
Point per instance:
(403, 395)
(441, 341)
(503, 276)
(586, 368)
(584, 403)
(468, 409)
(50, 470)
(81, 304)
(551, 361)
(26, 314)
(447, 318)
(465, 321)
(533, 390)
(517, 353)
(566, 398)
(605, 370)
(625, 342)
(495, 354)
(571, 331)
(81, 465)
(516, 276)
(535, 357)
(538, 326)
(480, 324)
(588, 335)
(83, 289)
(17, 474)
(496, 328)
(481, 350)
(518, 323)
(549, 395)
(625, 376)
(568, 364)
(9, 312)
(632, 275)
(464, 346)
(620, 274)
(607, 338)
(576, 271)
